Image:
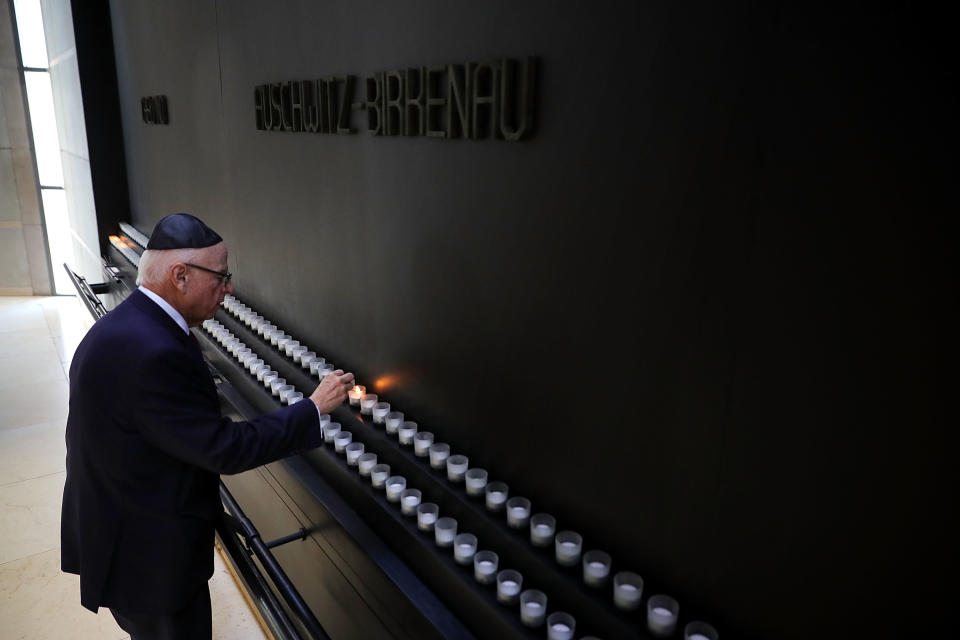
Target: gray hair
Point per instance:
(155, 263)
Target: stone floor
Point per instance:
(37, 339)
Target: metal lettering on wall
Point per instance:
(154, 110)
(472, 100)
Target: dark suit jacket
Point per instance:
(145, 445)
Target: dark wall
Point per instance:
(702, 316)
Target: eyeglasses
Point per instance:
(225, 276)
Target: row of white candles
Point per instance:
(662, 610)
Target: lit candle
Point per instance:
(508, 586)
(560, 626)
(596, 568)
(395, 486)
(700, 631)
(427, 514)
(421, 443)
(341, 440)
(457, 467)
(406, 432)
(354, 451)
(409, 501)
(518, 512)
(367, 401)
(393, 421)
(444, 531)
(464, 548)
(627, 590)
(355, 394)
(662, 612)
(379, 474)
(475, 480)
(485, 567)
(366, 462)
(497, 495)
(380, 411)
(533, 607)
(439, 452)
(567, 546)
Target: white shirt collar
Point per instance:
(173, 313)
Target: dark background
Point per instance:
(703, 316)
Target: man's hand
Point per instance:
(332, 391)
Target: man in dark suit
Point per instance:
(146, 442)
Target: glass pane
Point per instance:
(44, 121)
(59, 237)
(33, 47)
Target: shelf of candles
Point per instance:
(384, 434)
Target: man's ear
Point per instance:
(178, 275)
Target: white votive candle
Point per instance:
(485, 567)
(341, 440)
(367, 401)
(355, 394)
(567, 545)
(627, 590)
(366, 462)
(457, 467)
(409, 501)
(354, 451)
(662, 613)
(294, 397)
(406, 432)
(395, 486)
(392, 421)
(318, 364)
(421, 443)
(308, 359)
(297, 352)
(269, 377)
(464, 548)
(439, 452)
(427, 514)
(700, 631)
(275, 385)
(326, 370)
(329, 430)
(542, 528)
(380, 411)
(264, 372)
(533, 607)
(284, 391)
(444, 531)
(560, 626)
(379, 474)
(508, 586)
(497, 495)
(475, 480)
(596, 568)
(290, 346)
(518, 512)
